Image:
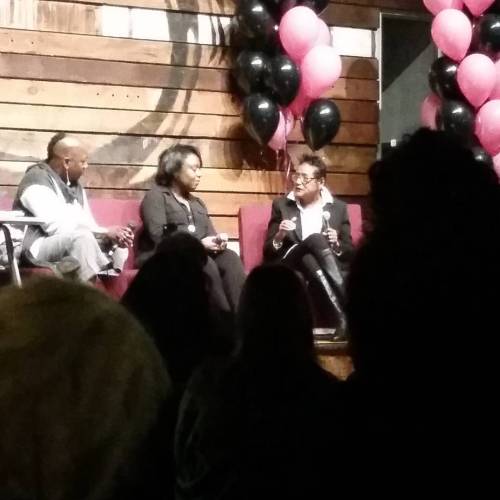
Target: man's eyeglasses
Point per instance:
(302, 178)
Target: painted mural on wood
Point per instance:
(132, 77)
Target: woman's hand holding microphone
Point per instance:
(216, 243)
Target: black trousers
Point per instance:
(227, 276)
(308, 257)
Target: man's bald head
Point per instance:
(68, 156)
(60, 143)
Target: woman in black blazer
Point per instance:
(170, 206)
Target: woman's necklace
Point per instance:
(183, 201)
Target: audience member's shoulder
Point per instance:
(208, 374)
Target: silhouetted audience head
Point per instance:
(264, 419)
(274, 317)
(424, 284)
(169, 297)
(183, 248)
(81, 388)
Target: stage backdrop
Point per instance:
(132, 77)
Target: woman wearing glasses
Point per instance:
(310, 231)
(170, 206)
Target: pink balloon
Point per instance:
(476, 78)
(320, 69)
(278, 140)
(495, 93)
(477, 7)
(430, 106)
(299, 104)
(324, 35)
(496, 164)
(452, 33)
(298, 31)
(488, 126)
(436, 6)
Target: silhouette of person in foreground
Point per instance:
(422, 305)
(257, 423)
(170, 297)
(82, 394)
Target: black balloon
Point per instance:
(487, 34)
(255, 21)
(284, 79)
(241, 41)
(456, 118)
(279, 7)
(443, 78)
(274, 5)
(321, 123)
(316, 5)
(251, 71)
(261, 117)
(481, 156)
(238, 40)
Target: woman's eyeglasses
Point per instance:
(302, 178)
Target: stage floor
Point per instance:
(333, 356)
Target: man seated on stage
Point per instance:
(51, 190)
(310, 231)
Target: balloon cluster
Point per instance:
(285, 63)
(466, 80)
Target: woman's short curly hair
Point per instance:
(171, 161)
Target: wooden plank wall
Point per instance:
(132, 77)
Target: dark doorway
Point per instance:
(406, 56)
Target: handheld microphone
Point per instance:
(221, 238)
(131, 225)
(326, 219)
